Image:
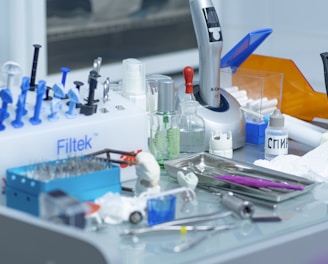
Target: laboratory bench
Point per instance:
(300, 237)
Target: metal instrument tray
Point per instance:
(206, 165)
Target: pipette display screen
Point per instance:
(211, 17)
(213, 24)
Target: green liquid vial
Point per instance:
(165, 131)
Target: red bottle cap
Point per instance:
(188, 73)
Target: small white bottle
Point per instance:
(134, 82)
(276, 136)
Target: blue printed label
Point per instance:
(73, 145)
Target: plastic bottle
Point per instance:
(276, 136)
(133, 82)
(165, 131)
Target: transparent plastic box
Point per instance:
(258, 85)
(258, 92)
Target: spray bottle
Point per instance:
(164, 125)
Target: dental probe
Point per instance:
(185, 245)
(259, 202)
(181, 228)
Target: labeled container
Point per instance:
(276, 136)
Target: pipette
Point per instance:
(209, 38)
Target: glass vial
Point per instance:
(276, 136)
(164, 125)
(192, 128)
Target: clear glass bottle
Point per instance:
(192, 128)
(276, 136)
(164, 125)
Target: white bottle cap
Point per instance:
(133, 81)
(277, 119)
(220, 144)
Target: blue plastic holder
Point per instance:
(22, 192)
(255, 132)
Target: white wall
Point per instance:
(300, 30)
(22, 24)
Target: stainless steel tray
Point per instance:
(205, 165)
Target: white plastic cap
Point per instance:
(220, 144)
(133, 81)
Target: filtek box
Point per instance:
(117, 124)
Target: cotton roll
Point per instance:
(304, 132)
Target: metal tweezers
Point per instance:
(107, 151)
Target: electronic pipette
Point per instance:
(219, 109)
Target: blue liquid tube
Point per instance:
(164, 125)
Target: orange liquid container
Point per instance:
(299, 99)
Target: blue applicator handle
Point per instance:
(40, 91)
(17, 123)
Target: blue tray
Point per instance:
(22, 192)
